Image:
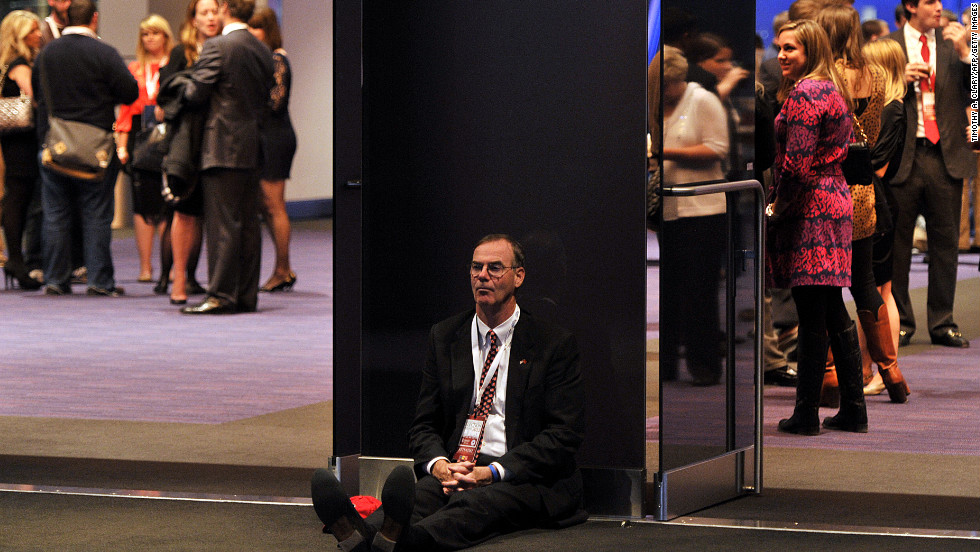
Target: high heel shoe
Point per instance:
(175, 301)
(285, 285)
(18, 273)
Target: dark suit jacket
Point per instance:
(952, 97)
(233, 76)
(544, 410)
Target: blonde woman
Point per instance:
(809, 232)
(200, 23)
(20, 39)
(149, 210)
(885, 158)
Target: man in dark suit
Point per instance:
(480, 477)
(233, 76)
(935, 160)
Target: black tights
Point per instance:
(863, 288)
(14, 206)
(821, 310)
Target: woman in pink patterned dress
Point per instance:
(809, 232)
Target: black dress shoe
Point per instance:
(331, 503)
(114, 291)
(398, 499)
(904, 338)
(783, 377)
(211, 305)
(951, 338)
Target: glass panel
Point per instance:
(703, 99)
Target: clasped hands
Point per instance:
(461, 476)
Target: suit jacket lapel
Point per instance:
(462, 367)
(945, 56)
(518, 373)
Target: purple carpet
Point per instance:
(137, 358)
(942, 412)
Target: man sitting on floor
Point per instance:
(480, 477)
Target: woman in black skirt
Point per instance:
(278, 147)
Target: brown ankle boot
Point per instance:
(830, 391)
(877, 330)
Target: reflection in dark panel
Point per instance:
(692, 343)
(517, 117)
(748, 259)
(707, 243)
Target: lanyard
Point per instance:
(504, 349)
(152, 82)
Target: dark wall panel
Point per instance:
(347, 229)
(518, 117)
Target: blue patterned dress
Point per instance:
(809, 242)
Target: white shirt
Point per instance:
(80, 30)
(699, 118)
(233, 27)
(53, 26)
(495, 431)
(913, 45)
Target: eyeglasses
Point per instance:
(495, 270)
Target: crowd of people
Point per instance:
(827, 84)
(219, 92)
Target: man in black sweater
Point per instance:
(80, 78)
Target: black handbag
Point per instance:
(857, 165)
(149, 147)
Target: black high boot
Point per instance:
(812, 360)
(853, 415)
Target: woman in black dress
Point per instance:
(278, 149)
(20, 39)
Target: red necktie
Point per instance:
(486, 400)
(927, 84)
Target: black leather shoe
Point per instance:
(783, 377)
(211, 305)
(331, 504)
(114, 291)
(951, 338)
(904, 338)
(398, 498)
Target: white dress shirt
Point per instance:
(913, 45)
(495, 431)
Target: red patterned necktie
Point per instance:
(486, 400)
(928, 84)
(485, 403)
